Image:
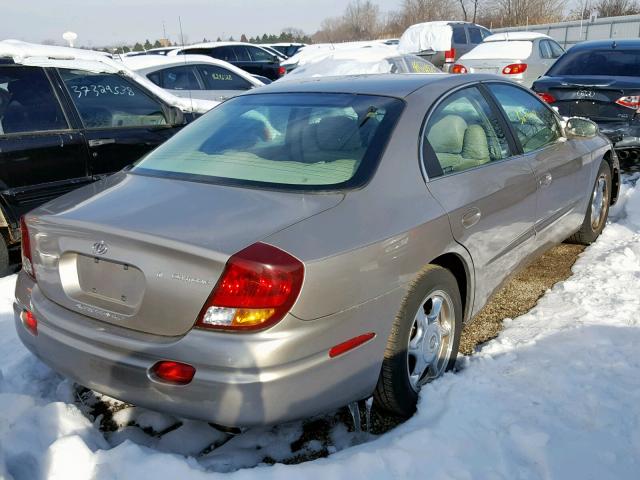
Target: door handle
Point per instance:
(545, 180)
(101, 141)
(471, 217)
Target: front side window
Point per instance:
(224, 53)
(178, 78)
(106, 100)
(242, 54)
(535, 125)
(459, 36)
(299, 141)
(464, 132)
(219, 78)
(27, 102)
(259, 55)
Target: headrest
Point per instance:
(475, 145)
(338, 133)
(447, 134)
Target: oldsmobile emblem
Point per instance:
(100, 248)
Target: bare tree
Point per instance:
(606, 8)
(509, 13)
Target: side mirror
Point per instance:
(176, 116)
(578, 127)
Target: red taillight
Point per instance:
(27, 262)
(546, 97)
(281, 71)
(29, 321)
(514, 69)
(173, 372)
(350, 344)
(450, 55)
(258, 286)
(632, 101)
(457, 68)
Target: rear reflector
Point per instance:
(546, 97)
(29, 321)
(27, 262)
(450, 55)
(514, 68)
(632, 101)
(257, 288)
(350, 344)
(173, 372)
(282, 71)
(457, 68)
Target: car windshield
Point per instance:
(610, 62)
(298, 141)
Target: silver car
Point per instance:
(307, 245)
(520, 56)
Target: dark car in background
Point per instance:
(599, 80)
(62, 128)
(251, 58)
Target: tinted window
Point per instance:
(474, 35)
(108, 100)
(224, 53)
(27, 102)
(556, 49)
(242, 54)
(178, 78)
(545, 49)
(458, 35)
(259, 55)
(219, 78)
(533, 122)
(299, 141)
(485, 32)
(621, 63)
(464, 132)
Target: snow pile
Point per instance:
(319, 50)
(556, 395)
(434, 36)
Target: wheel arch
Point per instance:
(462, 273)
(615, 176)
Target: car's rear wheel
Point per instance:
(598, 209)
(424, 340)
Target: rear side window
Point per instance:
(612, 62)
(545, 49)
(535, 125)
(219, 78)
(464, 133)
(259, 55)
(299, 141)
(474, 35)
(27, 102)
(242, 54)
(459, 36)
(178, 78)
(556, 49)
(107, 100)
(224, 53)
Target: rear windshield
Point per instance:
(610, 62)
(287, 141)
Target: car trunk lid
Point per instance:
(145, 253)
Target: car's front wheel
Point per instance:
(598, 209)
(424, 340)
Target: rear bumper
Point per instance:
(241, 380)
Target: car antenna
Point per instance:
(185, 61)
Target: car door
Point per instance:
(121, 121)
(561, 166)
(486, 188)
(42, 155)
(221, 83)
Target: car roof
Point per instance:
(386, 84)
(615, 43)
(216, 44)
(507, 36)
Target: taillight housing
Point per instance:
(546, 97)
(25, 240)
(457, 68)
(281, 71)
(631, 101)
(514, 69)
(176, 373)
(450, 55)
(258, 287)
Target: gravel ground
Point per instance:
(519, 295)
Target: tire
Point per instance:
(595, 222)
(399, 381)
(4, 258)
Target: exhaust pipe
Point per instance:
(623, 155)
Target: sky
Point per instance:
(118, 22)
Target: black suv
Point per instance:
(248, 57)
(61, 128)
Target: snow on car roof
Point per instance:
(32, 54)
(510, 36)
(310, 51)
(434, 36)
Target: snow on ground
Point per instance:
(556, 395)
